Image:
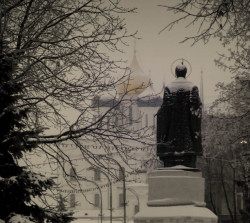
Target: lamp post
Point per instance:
(110, 194)
(124, 193)
(100, 191)
(124, 185)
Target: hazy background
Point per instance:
(156, 52)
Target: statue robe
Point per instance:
(179, 122)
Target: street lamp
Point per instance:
(100, 191)
(110, 193)
(124, 184)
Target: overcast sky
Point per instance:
(156, 52)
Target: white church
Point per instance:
(102, 193)
(97, 196)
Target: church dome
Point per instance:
(137, 82)
(148, 92)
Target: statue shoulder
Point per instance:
(195, 90)
(166, 90)
(166, 93)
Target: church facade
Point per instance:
(102, 192)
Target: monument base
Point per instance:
(174, 214)
(177, 185)
(176, 194)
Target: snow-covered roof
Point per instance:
(149, 97)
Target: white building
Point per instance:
(91, 194)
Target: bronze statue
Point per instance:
(179, 122)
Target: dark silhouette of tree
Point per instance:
(19, 186)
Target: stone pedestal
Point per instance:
(176, 194)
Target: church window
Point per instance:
(107, 122)
(97, 175)
(146, 120)
(130, 115)
(136, 209)
(72, 200)
(239, 200)
(72, 174)
(97, 200)
(122, 114)
(116, 121)
(121, 200)
(153, 122)
(58, 64)
(121, 172)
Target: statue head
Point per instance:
(181, 70)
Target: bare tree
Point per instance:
(62, 50)
(227, 19)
